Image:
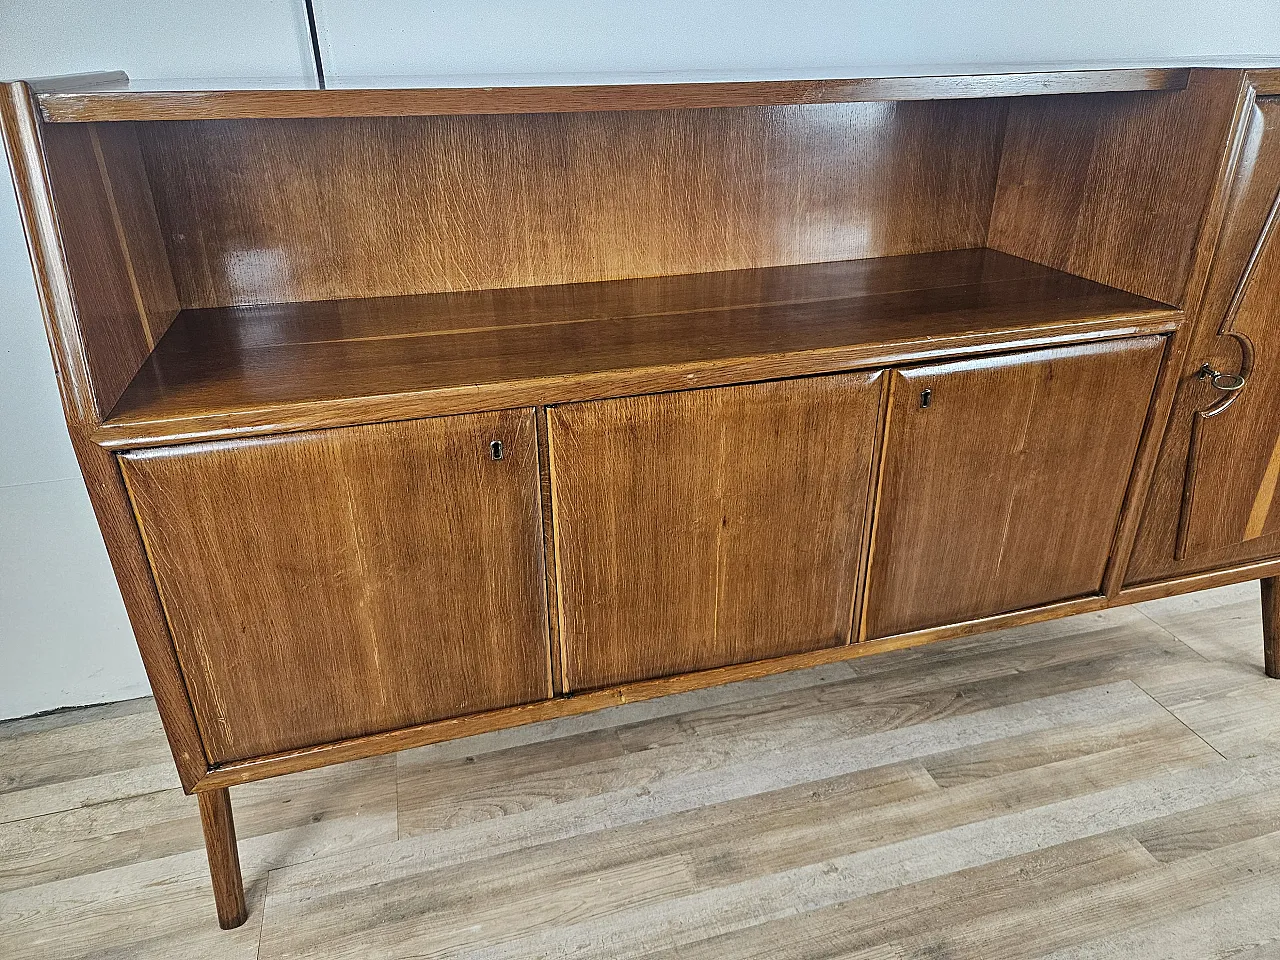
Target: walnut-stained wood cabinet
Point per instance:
(709, 527)
(1003, 479)
(408, 414)
(340, 583)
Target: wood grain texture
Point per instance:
(1168, 382)
(300, 210)
(224, 859)
(22, 133)
(1267, 82)
(1004, 490)
(926, 758)
(711, 527)
(645, 690)
(124, 292)
(171, 102)
(396, 577)
(121, 297)
(420, 217)
(1251, 197)
(1233, 467)
(1271, 627)
(1115, 188)
(1195, 582)
(283, 367)
(133, 214)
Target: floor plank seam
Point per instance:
(398, 757)
(1166, 630)
(262, 915)
(85, 806)
(1193, 732)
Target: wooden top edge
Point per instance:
(1266, 82)
(109, 101)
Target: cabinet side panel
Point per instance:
(1115, 187)
(335, 584)
(710, 527)
(124, 293)
(291, 210)
(21, 127)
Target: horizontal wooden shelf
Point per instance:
(112, 98)
(246, 370)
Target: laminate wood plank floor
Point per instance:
(1102, 786)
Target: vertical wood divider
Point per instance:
(550, 569)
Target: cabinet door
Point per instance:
(1234, 460)
(709, 527)
(1002, 481)
(1212, 501)
(338, 583)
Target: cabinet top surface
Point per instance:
(111, 96)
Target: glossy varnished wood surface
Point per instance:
(1233, 468)
(1194, 582)
(116, 258)
(334, 584)
(1003, 492)
(1115, 188)
(1100, 786)
(1167, 383)
(300, 210)
(709, 527)
(286, 366)
(125, 101)
(1156, 553)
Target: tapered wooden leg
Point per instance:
(224, 859)
(1271, 625)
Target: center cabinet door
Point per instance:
(343, 582)
(709, 527)
(1002, 482)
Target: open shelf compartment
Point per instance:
(244, 370)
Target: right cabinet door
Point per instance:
(1002, 481)
(1215, 498)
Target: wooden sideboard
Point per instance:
(413, 413)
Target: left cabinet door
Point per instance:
(338, 583)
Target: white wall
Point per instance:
(64, 638)
(795, 37)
